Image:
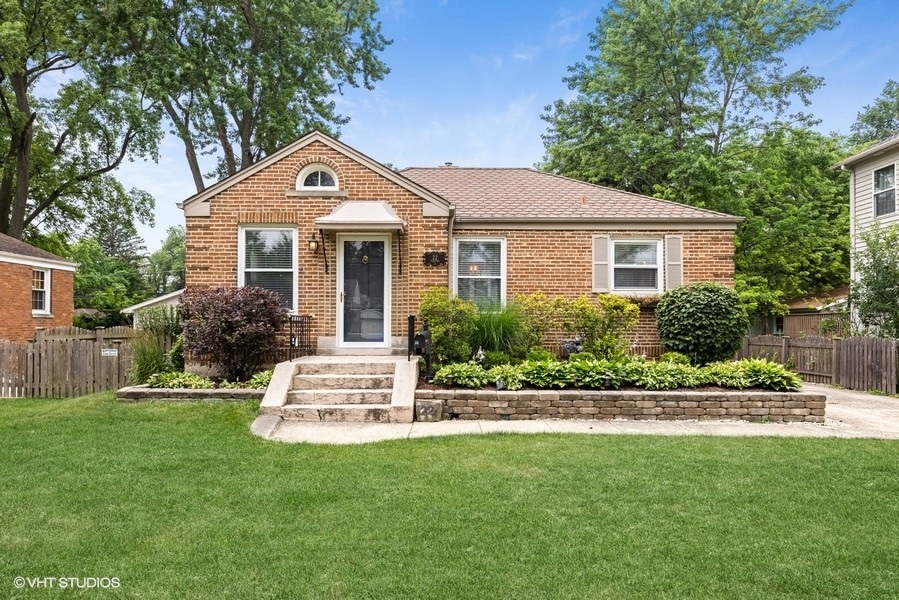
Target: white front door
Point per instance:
(363, 290)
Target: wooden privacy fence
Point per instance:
(856, 363)
(65, 362)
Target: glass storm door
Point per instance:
(363, 294)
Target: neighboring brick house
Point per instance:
(872, 189)
(353, 242)
(35, 289)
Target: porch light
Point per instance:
(313, 243)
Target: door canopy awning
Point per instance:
(361, 216)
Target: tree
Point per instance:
(795, 236)
(880, 120)
(59, 150)
(875, 294)
(691, 101)
(164, 269)
(243, 79)
(103, 282)
(675, 80)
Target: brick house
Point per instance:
(353, 242)
(35, 289)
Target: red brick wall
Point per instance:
(556, 262)
(211, 258)
(16, 321)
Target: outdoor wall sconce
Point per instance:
(313, 243)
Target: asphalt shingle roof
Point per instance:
(13, 246)
(525, 194)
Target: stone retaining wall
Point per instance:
(142, 392)
(630, 405)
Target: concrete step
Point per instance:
(340, 396)
(357, 413)
(347, 368)
(342, 382)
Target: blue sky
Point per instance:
(470, 78)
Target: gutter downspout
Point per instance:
(852, 238)
(451, 223)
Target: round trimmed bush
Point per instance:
(705, 321)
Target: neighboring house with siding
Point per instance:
(872, 189)
(35, 289)
(354, 243)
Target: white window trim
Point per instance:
(875, 191)
(660, 267)
(46, 310)
(502, 258)
(241, 257)
(311, 169)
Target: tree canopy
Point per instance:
(879, 120)
(692, 101)
(240, 80)
(61, 146)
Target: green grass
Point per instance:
(181, 501)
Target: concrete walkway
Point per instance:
(849, 414)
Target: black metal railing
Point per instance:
(300, 337)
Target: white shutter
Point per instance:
(601, 263)
(674, 261)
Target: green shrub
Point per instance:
(495, 359)
(769, 375)
(148, 356)
(468, 374)
(180, 381)
(725, 374)
(260, 380)
(540, 314)
(540, 355)
(705, 321)
(452, 322)
(161, 320)
(668, 376)
(176, 353)
(674, 357)
(601, 324)
(235, 329)
(547, 373)
(500, 329)
(581, 356)
(597, 374)
(510, 377)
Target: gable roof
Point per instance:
(309, 138)
(523, 194)
(878, 148)
(17, 251)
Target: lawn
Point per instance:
(181, 501)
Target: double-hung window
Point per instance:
(480, 267)
(268, 259)
(40, 291)
(885, 191)
(637, 266)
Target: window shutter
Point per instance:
(674, 261)
(601, 263)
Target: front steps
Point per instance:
(358, 389)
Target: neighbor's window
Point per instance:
(40, 291)
(885, 191)
(480, 268)
(317, 177)
(636, 265)
(268, 260)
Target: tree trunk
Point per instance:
(23, 156)
(190, 149)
